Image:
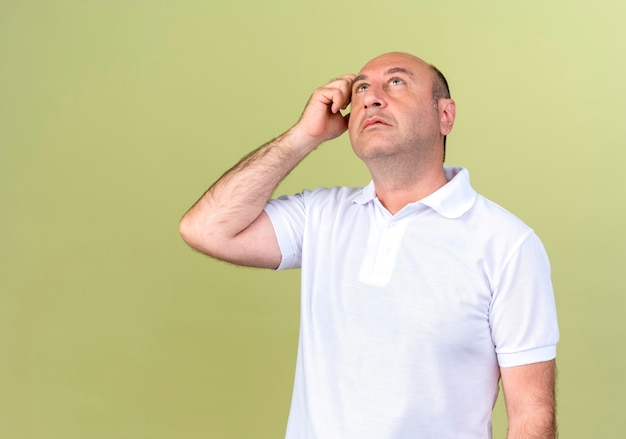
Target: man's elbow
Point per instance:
(194, 235)
(540, 424)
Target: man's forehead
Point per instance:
(393, 62)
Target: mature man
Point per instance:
(418, 294)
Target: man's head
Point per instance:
(400, 104)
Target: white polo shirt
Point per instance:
(406, 318)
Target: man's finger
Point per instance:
(342, 92)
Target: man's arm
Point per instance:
(228, 221)
(530, 400)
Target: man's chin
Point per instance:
(374, 151)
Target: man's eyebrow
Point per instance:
(359, 78)
(391, 71)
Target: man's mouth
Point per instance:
(374, 121)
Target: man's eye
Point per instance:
(396, 81)
(361, 88)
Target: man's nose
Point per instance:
(374, 97)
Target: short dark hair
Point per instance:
(440, 90)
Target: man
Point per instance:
(418, 294)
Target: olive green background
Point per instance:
(116, 115)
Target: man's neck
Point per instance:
(396, 190)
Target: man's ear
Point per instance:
(447, 114)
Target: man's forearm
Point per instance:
(236, 199)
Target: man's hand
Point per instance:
(321, 119)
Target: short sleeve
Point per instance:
(523, 311)
(288, 215)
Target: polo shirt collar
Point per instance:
(367, 194)
(452, 200)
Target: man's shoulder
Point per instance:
(337, 195)
(325, 199)
(495, 215)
